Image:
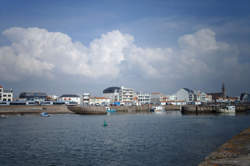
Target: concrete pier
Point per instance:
(211, 108)
(33, 109)
(235, 152)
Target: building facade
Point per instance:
(33, 96)
(186, 95)
(6, 95)
(85, 98)
(112, 93)
(99, 101)
(143, 98)
(70, 99)
(126, 95)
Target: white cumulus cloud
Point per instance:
(37, 52)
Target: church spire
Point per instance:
(223, 90)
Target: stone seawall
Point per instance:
(235, 152)
(27, 109)
(210, 108)
(132, 109)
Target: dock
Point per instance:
(235, 152)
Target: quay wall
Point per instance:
(210, 108)
(235, 152)
(131, 109)
(28, 109)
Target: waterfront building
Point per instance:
(218, 95)
(70, 99)
(5, 94)
(245, 97)
(33, 96)
(52, 97)
(112, 93)
(186, 95)
(85, 98)
(99, 101)
(121, 94)
(143, 98)
(158, 98)
(126, 95)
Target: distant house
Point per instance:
(186, 95)
(69, 99)
(143, 98)
(33, 96)
(245, 97)
(99, 101)
(5, 94)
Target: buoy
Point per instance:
(105, 123)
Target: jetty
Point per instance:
(34, 109)
(235, 152)
(102, 109)
(213, 108)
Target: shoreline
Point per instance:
(235, 152)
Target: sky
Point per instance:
(81, 46)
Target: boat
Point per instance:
(44, 114)
(227, 109)
(158, 109)
(3, 116)
(108, 109)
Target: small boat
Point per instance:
(108, 109)
(3, 116)
(159, 109)
(227, 109)
(44, 114)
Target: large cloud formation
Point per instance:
(37, 52)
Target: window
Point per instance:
(9, 95)
(9, 100)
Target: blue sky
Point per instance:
(152, 24)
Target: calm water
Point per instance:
(129, 139)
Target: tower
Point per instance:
(223, 90)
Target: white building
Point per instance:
(70, 99)
(120, 94)
(186, 95)
(126, 95)
(85, 98)
(143, 98)
(99, 101)
(6, 95)
(112, 93)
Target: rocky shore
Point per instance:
(235, 152)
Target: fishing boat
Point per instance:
(227, 109)
(158, 109)
(44, 114)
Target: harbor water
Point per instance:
(168, 139)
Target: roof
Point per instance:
(188, 90)
(69, 95)
(32, 94)
(111, 89)
(1, 86)
(101, 98)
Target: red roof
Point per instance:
(1, 86)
